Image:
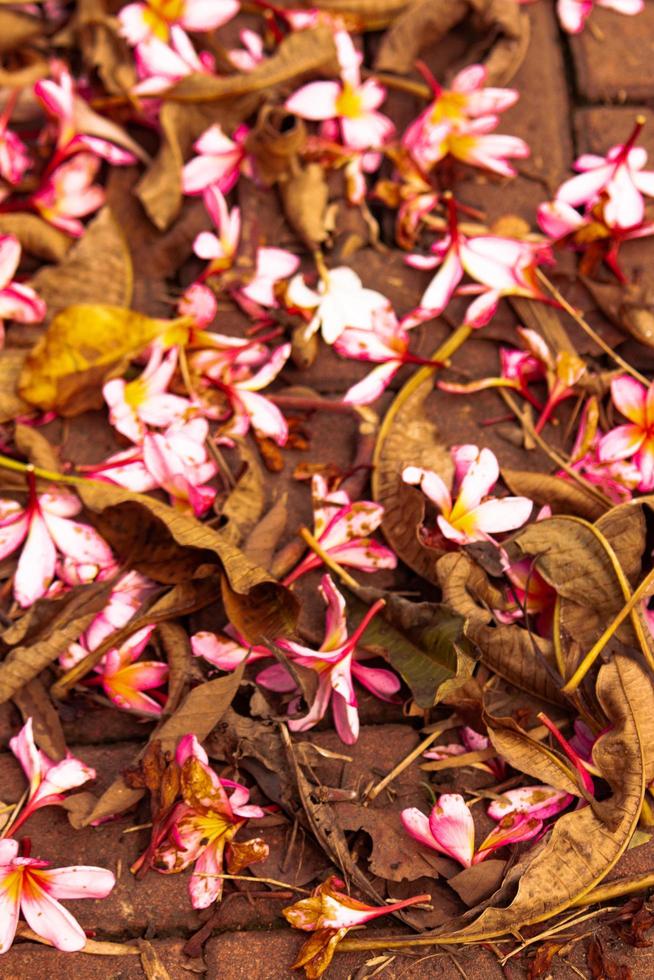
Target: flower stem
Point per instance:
(333, 566)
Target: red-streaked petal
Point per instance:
(452, 826)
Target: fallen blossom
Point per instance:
(124, 677)
(155, 18)
(15, 158)
(49, 781)
(336, 665)
(44, 528)
(449, 829)
(340, 301)
(342, 528)
(470, 517)
(159, 64)
(352, 102)
(250, 55)
(219, 162)
(69, 194)
(636, 438)
(329, 914)
(27, 886)
(228, 651)
(573, 14)
(17, 302)
(202, 828)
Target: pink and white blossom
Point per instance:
(226, 651)
(69, 194)
(471, 516)
(352, 102)
(124, 677)
(156, 18)
(159, 63)
(336, 665)
(341, 300)
(449, 829)
(45, 530)
(634, 440)
(15, 158)
(219, 162)
(343, 528)
(573, 14)
(27, 886)
(17, 302)
(250, 55)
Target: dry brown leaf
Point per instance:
(11, 365)
(585, 844)
(409, 440)
(478, 882)
(82, 347)
(17, 28)
(629, 306)
(528, 755)
(276, 142)
(103, 48)
(177, 648)
(563, 496)
(299, 54)
(36, 235)
(369, 15)
(244, 505)
(304, 200)
(423, 23)
(97, 269)
(260, 544)
(200, 711)
(36, 448)
(34, 702)
(69, 617)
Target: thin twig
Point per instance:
(265, 881)
(406, 762)
(333, 566)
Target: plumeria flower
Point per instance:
(501, 266)
(573, 14)
(69, 194)
(126, 598)
(220, 161)
(386, 342)
(352, 102)
(202, 828)
(49, 781)
(199, 303)
(340, 301)
(159, 64)
(272, 264)
(156, 18)
(27, 886)
(175, 460)
(329, 914)
(336, 665)
(145, 401)
(619, 178)
(17, 302)
(44, 528)
(636, 438)
(471, 517)
(616, 478)
(241, 388)
(528, 594)
(124, 677)
(449, 829)
(250, 55)
(61, 101)
(458, 122)
(343, 527)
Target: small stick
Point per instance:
(406, 762)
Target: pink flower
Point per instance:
(17, 302)
(219, 161)
(336, 666)
(59, 98)
(124, 677)
(69, 194)
(241, 390)
(202, 827)
(616, 478)
(329, 914)
(145, 401)
(155, 18)
(26, 885)
(160, 64)
(175, 460)
(449, 829)
(350, 101)
(45, 527)
(199, 303)
(518, 368)
(501, 267)
(636, 439)
(618, 178)
(342, 528)
(542, 801)
(49, 780)
(227, 652)
(458, 121)
(472, 742)
(250, 55)
(470, 517)
(573, 14)
(340, 301)
(14, 156)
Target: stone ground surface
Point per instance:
(576, 95)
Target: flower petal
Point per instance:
(453, 828)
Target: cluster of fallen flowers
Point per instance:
(180, 394)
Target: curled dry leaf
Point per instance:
(563, 496)
(585, 844)
(276, 142)
(82, 347)
(299, 54)
(103, 48)
(304, 200)
(12, 360)
(407, 438)
(260, 544)
(199, 712)
(17, 28)
(34, 702)
(520, 657)
(528, 755)
(630, 306)
(97, 269)
(245, 504)
(36, 235)
(177, 647)
(423, 23)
